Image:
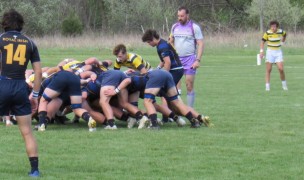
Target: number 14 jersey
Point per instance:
(16, 50)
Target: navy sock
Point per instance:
(111, 122)
(86, 116)
(165, 118)
(138, 115)
(173, 116)
(189, 116)
(153, 118)
(124, 117)
(42, 117)
(34, 163)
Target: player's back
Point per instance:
(16, 51)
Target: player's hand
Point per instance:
(34, 104)
(88, 80)
(93, 77)
(261, 55)
(195, 65)
(129, 71)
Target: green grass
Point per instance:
(257, 134)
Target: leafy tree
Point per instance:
(72, 26)
(282, 10)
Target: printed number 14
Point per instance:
(18, 55)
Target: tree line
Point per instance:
(72, 17)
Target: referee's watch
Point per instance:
(198, 60)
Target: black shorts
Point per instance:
(65, 81)
(111, 78)
(14, 98)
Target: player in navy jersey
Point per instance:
(167, 54)
(168, 57)
(16, 51)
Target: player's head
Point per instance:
(12, 21)
(120, 51)
(274, 25)
(183, 14)
(151, 37)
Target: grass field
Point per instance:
(257, 134)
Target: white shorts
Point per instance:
(274, 56)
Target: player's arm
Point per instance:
(198, 35)
(51, 71)
(38, 75)
(167, 63)
(200, 49)
(137, 62)
(262, 44)
(106, 63)
(284, 37)
(160, 65)
(142, 69)
(65, 61)
(91, 61)
(121, 86)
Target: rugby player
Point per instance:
(16, 51)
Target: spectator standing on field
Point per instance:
(187, 38)
(16, 50)
(274, 37)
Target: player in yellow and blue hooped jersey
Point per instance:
(129, 60)
(274, 37)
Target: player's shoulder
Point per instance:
(269, 31)
(163, 44)
(175, 25)
(281, 31)
(132, 57)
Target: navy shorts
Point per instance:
(111, 78)
(177, 75)
(160, 79)
(65, 81)
(14, 98)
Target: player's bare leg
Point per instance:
(267, 75)
(280, 67)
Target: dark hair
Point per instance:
(183, 8)
(118, 48)
(149, 35)
(12, 20)
(274, 22)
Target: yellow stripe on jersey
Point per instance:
(274, 39)
(133, 61)
(74, 65)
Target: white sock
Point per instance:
(267, 85)
(284, 84)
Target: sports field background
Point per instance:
(257, 134)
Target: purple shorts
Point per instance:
(187, 62)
